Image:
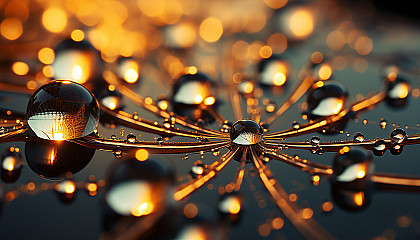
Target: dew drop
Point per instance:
(113, 137)
(379, 147)
(365, 121)
(295, 125)
(131, 138)
(246, 132)
(398, 135)
(273, 71)
(216, 152)
(197, 170)
(117, 152)
(135, 116)
(326, 100)
(167, 123)
(315, 140)
(358, 137)
(382, 123)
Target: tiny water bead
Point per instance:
(398, 92)
(131, 138)
(358, 137)
(66, 190)
(398, 135)
(62, 110)
(315, 140)
(326, 99)
(246, 132)
(383, 123)
(379, 147)
(11, 165)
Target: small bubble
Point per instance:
(358, 137)
(113, 137)
(315, 140)
(295, 125)
(131, 138)
(398, 135)
(216, 152)
(382, 123)
(117, 152)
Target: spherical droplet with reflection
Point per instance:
(192, 94)
(246, 132)
(350, 199)
(139, 188)
(11, 165)
(273, 71)
(54, 159)
(358, 137)
(397, 92)
(352, 167)
(111, 99)
(326, 99)
(78, 61)
(66, 190)
(398, 135)
(62, 110)
(379, 147)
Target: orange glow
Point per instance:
(363, 45)
(344, 150)
(361, 174)
(279, 79)
(338, 107)
(211, 29)
(249, 87)
(92, 187)
(293, 197)
(209, 101)
(277, 42)
(20, 68)
(11, 28)
(77, 72)
(54, 19)
(48, 71)
(142, 155)
(148, 100)
(266, 51)
(198, 98)
(77, 35)
(327, 206)
(275, 4)
(46, 55)
(277, 223)
(70, 188)
(142, 209)
(325, 72)
(31, 186)
(191, 70)
(359, 198)
(301, 23)
(57, 136)
(317, 57)
(163, 105)
(307, 213)
(190, 210)
(235, 206)
(319, 84)
(113, 104)
(52, 157)
(10, 166)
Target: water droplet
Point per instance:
(379, 147)
(203, 139)
(398, 91)
(315, 179)
(230, 204)
(352, 166)
(246, 132)
(167, 123)
(295, 125)
(326, 100)
(135, 116)
(62, 109)
(197, 170)
(270, 107)
(118, 152)
(315, 140)
(358, 137)
(160, 140)
(365, 121)
(185, 157)
(11, 165)
(216, 152)
(112, 100)
(382, 123)
(113, 137)
(131, 138)
(396, 149)
(398, 135)
(66, 190)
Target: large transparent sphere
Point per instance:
(62, 110)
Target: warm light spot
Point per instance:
(336, 40)
(163, 104)
(54, 19)
(327, 206)
(344, 150)
(17, 9)
(209, 101)
(363, 45)
(416, 92)
(190, 210)
(144, 208)
(277, 223)
(191, 70)
(270, 108)
(338, 107)
(31, 85)
(51, 157)
(11, 28)
(249, 87)
(92, 187)
(198, 98)
(277, 42)
(279, 79)
(31, 186)
(266, 51)
(301, 23)
(403, 93)
(46, 55)
(77, 73)
(131, 76)
(359, 198)
(10, 196)
(307, 213)
(235, 206)
(361, 174)
(264, 230)
(325, 72)
(20, 68)
(142, 155)
(151, 8)
(70, 188)
(48, 71)
(319, 84)
(317, 57)
(181, 35)
(111, 88)
(57, 136)
(112, 104)
(10, 166)
(316, 178)
(293, 197)
(360, 65)
(211, 29)
(275, 4)
(404, 221)
(77, 35)
(148, 100)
